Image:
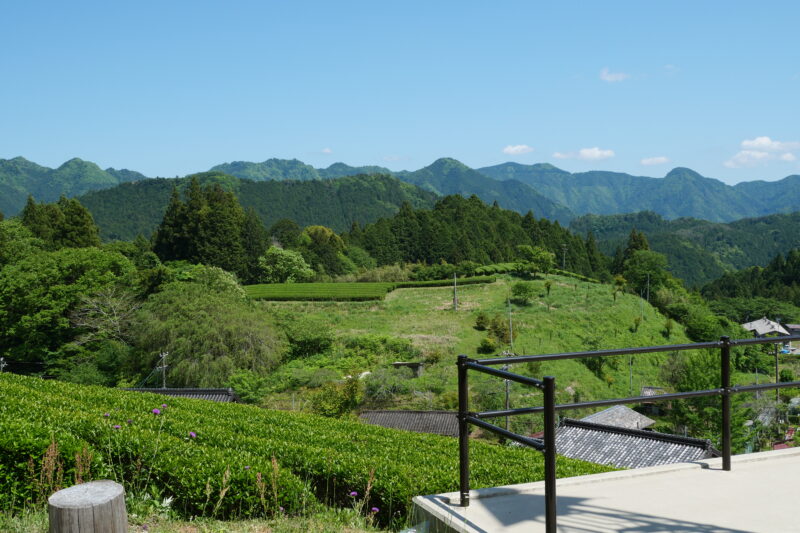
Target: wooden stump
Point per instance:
(94, 507)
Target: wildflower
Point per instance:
(375, 510)
(354, 494)
(281, 508)
(192, 434)
(130, 421)
(156, 411)
(247, 467)
(106, 415)
(164, 405)
(117, 426)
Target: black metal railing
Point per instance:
(547, 444)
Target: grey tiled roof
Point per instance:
(214, 395)
(628, 448)
(620, 416)
(438, 422)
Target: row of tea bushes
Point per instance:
(187, 447)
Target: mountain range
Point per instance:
(20, 178)
(546, 190)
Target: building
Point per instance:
(214, 395)
(436, 422)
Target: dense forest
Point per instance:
(133, 209)
(699, 251)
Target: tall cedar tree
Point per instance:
(64, 224)
(211, 228)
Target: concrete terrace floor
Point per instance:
(761, 493)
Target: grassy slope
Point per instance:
(580, 316)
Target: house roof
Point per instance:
(652, 391)
(764, 326)
(214, 395)
(438, 422)
(628, 448)
(620, 416)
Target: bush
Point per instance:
(522, 292)
(481, 321)
(307, 337)
(487, 346)
(230, 438)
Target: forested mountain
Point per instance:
(699, 251)
(448, 176)
(137, 208)
(292, 169)
(20, 178)
(681, 193)
(779, 280)
(466, 229)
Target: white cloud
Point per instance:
(594, 153)
(612, 77)
(327, 151)
(658, 160)
(517, 149)
(747, 158)
(587, 154)
(762, 149)
(671, 69)
(765, 143)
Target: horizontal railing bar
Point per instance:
(534, 443)
(765, 386)
(633, 351)
(600, 403)
(506, 375)
(765, 340)
(598, 353)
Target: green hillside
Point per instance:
(131, 209)
(20, 178)
(681, 193)
(574, 316)
(699, 251)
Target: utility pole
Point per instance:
(505, 367)
(163, 368)
(455, 293)
(777, 391)
(564, 257)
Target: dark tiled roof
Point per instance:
(214, 395)
(438, 422)
(628, 448)
(620, 416)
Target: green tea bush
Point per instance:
(208, 456)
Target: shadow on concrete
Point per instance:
(574, 516)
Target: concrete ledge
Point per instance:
(696, 496)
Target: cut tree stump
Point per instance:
(94, 507)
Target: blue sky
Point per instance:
(169, 88)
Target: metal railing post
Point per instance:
(550, 453)
(726, 402)
(463, 430)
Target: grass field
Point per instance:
(574, 316)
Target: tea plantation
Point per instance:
(227, 460)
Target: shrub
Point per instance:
(522, 292)
(487, 345)
(481, 321)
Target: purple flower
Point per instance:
(106, 415)
(117, 426)
(375, 510)
(193, 434)
(354, 494)
(281, 508)
(164, 405)
(247, 467)
(130, 421)
(156, 411)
